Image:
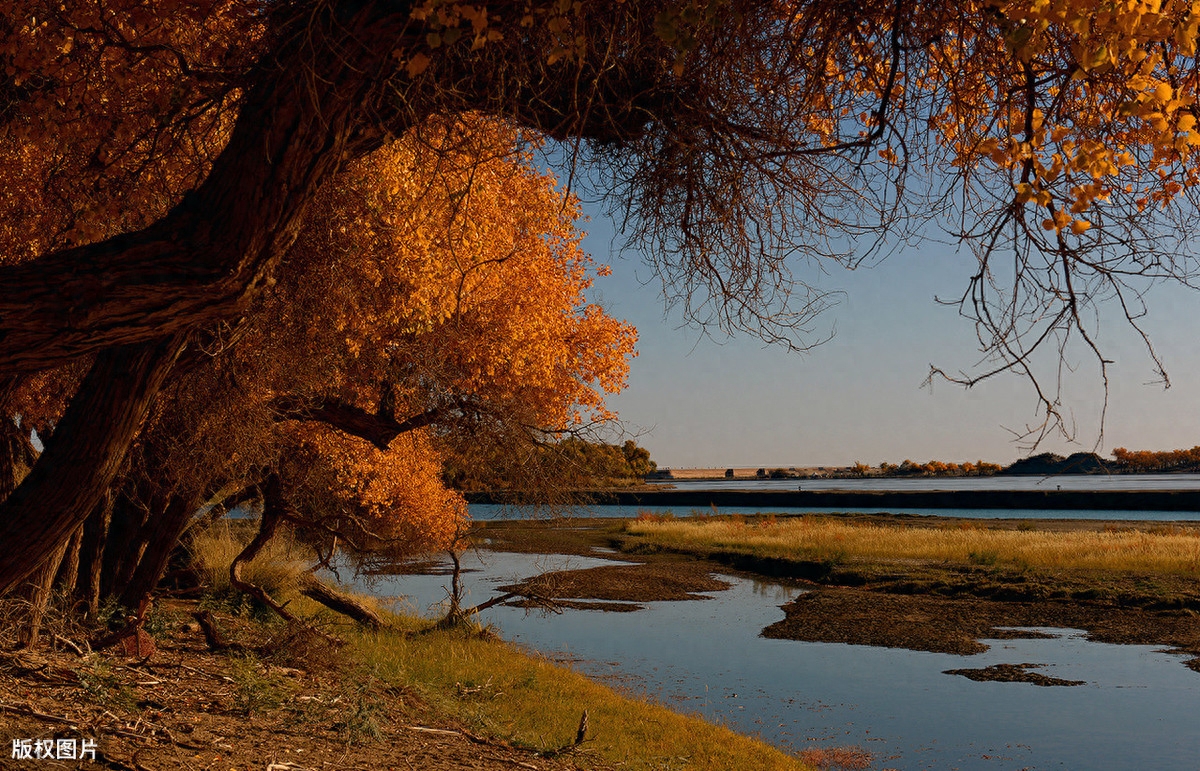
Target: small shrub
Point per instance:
(105, 688)
(986, 558)
(362, 716)
(256, 690)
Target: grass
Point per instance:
(492, 687)
(276, 568)
(1170, 550)
(498, 690)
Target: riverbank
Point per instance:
(933, 603)
(285, 698)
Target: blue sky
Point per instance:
(694, 401)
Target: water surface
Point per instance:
(487, 511)
(1136, 711)
(1079, 482)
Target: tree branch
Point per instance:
(378, 429)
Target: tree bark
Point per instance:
(207, 259)
(68, 571)
(37, 593)
(81, 462)
(91, 554)
(164, 534)
(314, 589)
(122, 548)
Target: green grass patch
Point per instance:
(498, 690)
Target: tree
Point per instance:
(392, 318)
(733, 134)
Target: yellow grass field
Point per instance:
(1169, 550)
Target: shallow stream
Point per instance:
(1137, 709)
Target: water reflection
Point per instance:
(774, 592)
(1136, 710)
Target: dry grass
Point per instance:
(276, 568)
(1169, 550)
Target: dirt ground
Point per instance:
(185, 707)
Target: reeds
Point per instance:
(1161, 550)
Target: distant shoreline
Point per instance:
(1116, 500)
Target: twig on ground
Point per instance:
(21, 709)
(73, 646)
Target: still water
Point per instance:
(1087, 482)
(1137, 710)
(486, 511)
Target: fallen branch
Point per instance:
(73, 646)
(455, 619)
(21, 709)
(340, 602)
(216, 641)
(439, 731)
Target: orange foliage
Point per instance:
(391, 499)
(402, 283)
(443, 248)
(1141, 461)
(116, 109)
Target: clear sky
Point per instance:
(694, 401)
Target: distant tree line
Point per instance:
(567, 465)
(934, 468)
(1142, 461)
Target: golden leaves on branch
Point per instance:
(1099, 98)
(390, 500)
(471, 267)
(442, 270)
(115, 109)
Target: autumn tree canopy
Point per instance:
(391, 336)
(160, 160)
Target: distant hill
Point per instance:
(1049, 464)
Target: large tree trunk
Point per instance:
(163, 535)
(91, 555)
(122, 548)
(83, 459)
(68, 570)
(207, 259)
(37, 591)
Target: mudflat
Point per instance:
(926, 605)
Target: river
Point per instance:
(1137, 709)
(1084, 482)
